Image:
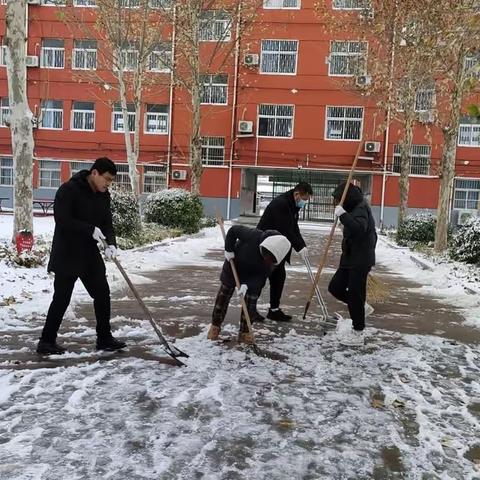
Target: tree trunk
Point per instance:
(21, 117)
(196, 139)
(405, 162)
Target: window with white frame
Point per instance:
(425, 99)
(215, 26)
(83, 116)
(160, 4)
(49, 174)
(6, 171)
(76, 167)
(53, 53)
(4, 111)
(472, 66)
(127, 58)
(214, 89)
(281, 4)
(154, 178)
(351, 4)
(156, 119)
(129, 3)
(344, 123)
(117, 117)
(54, 3)
(419, 159)
(3, 55)
(347, 58)
(84, 3)
(275, 121)
(213, 150)
(468, 133)
(122, 179)
(279, 56)
(160, 59)
(466, 194)
(52, 114)
(84, 55)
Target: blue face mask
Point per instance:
(301, 203)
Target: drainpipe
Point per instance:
(233, 135)
(171, 93)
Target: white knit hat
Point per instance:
(278, 246)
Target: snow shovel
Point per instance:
(172, 351)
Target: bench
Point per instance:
(1, 200)
(44, 203)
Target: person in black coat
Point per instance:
(256, 254)
(281, 214)
(349, 284)
(82, 219)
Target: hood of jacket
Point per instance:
(278, 246)
(353, 198)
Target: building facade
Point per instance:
(277, 112)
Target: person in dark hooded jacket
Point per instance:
(82, 219)
(255, 254)
(349, 284)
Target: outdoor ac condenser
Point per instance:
(179, 174)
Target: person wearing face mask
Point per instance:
(256, 254)
(282, 215)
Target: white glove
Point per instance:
(111, 252)
(98, 235)
(242, 290)
(229, 255)
(339, 211)
(304, 253)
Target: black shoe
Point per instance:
(110, 344)
(258, 318)
(50, 348)
(278, 316)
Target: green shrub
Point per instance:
(149, 233)
(465, 244)
(175, 208)
(125, 213)
(417, 228)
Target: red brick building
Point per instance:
(279, 112)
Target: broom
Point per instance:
(377, 291)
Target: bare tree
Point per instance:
(21, 116)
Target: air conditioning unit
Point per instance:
(363, 80)
(372, 147)
(464, 215)
(31, 60)
(245, 127)
(426, 117)
(179, 174)
(251, 59)
(34, 2)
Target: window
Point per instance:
(275, 121)
(279, 56)
(344, 123)
(117, 117)
(83, 116)
(156, 119)
(213, 150)
(154, 178)
(6, 171)
(425, 99)
(160, 60)
(84, 3)
(84, 55)
(215, 26)
(129, 3)
(419, 159)
(54, 3)
(351, 4)
(75, 167)
(52, 114)
(466, 194)
(214, 89)
(122, 179)
(468, 134)
(3, 55)
(49, 174)
(53, 53)
(160, 4)
(281, 4)
(472, 66)
(347, 58)
(4, 111)
(128, 58)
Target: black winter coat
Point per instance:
(78, 210)
(281, 214)
(251, 267)
(359, 234)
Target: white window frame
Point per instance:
(54, 3)
(473, 132)
(276, 117)
(3, 55)
(213, 89)
(54, 112)
(471, 188)
(160, 4)
(5, 111)
(52, 182)
(274, 57)
(280, 4)
(117, 116)
(77, 166)
(344, 119)
(210, 146)
(158, 117)
(157, 174)
(165, 56)
(6, 168)
(351, 57)
(349, 5)
(86, 53)
(84, 114)
(218, 28)
(127, 55)
(422, 95)
(85, 3)
(129, 4)
(472, 63)
(122, 179)
(55, 53)
(418, 155)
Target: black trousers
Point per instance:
(221, 306)
(349, 285)
(97, 287)
(277, 282)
